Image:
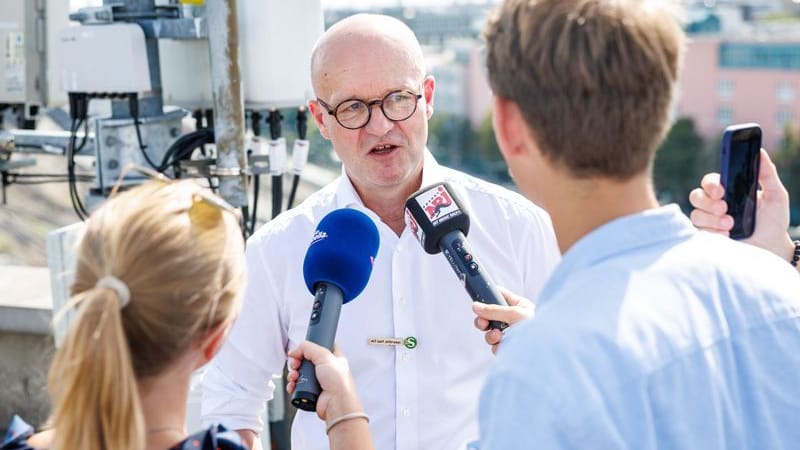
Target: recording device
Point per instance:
(336, 269)
(741, 156)
(441, 225)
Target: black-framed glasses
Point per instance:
(355, 113)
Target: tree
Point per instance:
(451, 139)
(489, 152)
(787, 159)
(680, 162)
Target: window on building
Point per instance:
(725, 116)
(725, 88)
(785, 56)
(783, 117)
(784, 92)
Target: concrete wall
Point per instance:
(24, 362)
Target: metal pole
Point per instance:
(226, 87)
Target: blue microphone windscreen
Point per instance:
(342, 251)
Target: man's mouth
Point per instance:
(383, 149)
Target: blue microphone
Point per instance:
(336, 269)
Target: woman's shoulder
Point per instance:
(212, 438)
(20, 436)
(17, 435)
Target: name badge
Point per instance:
(409, 342)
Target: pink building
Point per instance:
(479, 95)
(728, 81)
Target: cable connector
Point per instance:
(274, 119)
(299, 156)
(255, 122)
(78, 105)
(133, 106)
(302, 122)
(277, 156)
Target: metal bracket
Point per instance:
(7, 165)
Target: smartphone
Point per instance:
(741, 156)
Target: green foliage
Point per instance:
(787, 159)
(454, 143)
(680, 163)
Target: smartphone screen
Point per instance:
(739, 175)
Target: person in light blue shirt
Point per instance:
(650, 333)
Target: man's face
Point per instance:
(383, 153)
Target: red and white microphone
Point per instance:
(441, 225)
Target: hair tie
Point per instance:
(117, 285)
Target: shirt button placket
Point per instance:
(407, 385)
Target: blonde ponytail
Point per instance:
(178, 278)
(92, 383)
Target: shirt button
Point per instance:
(404, 356)
(406, 412)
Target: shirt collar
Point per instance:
(620, 236)
(347, 197)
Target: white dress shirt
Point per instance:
(424, 397)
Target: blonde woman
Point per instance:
(157, 286)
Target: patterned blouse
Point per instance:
(215, 437)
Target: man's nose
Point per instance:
(378, 123)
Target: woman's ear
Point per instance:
(213, 340)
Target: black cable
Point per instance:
(274, 120)
(185, 145)
(79, 111)
(255, 124)
(75, 199)
(302, 128)
(35, 182)
(83, 213)
(133, 105)
(209, 113)
(293, 192)
(197, 115)
(48, 175)
(256, 188)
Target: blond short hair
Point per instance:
(594, 79)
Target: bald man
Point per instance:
(417, 359)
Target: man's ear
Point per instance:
(509, 127)
(428, 87)
(213, 341)
(318, 112)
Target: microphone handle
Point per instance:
(322, 331)
(466, 266)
